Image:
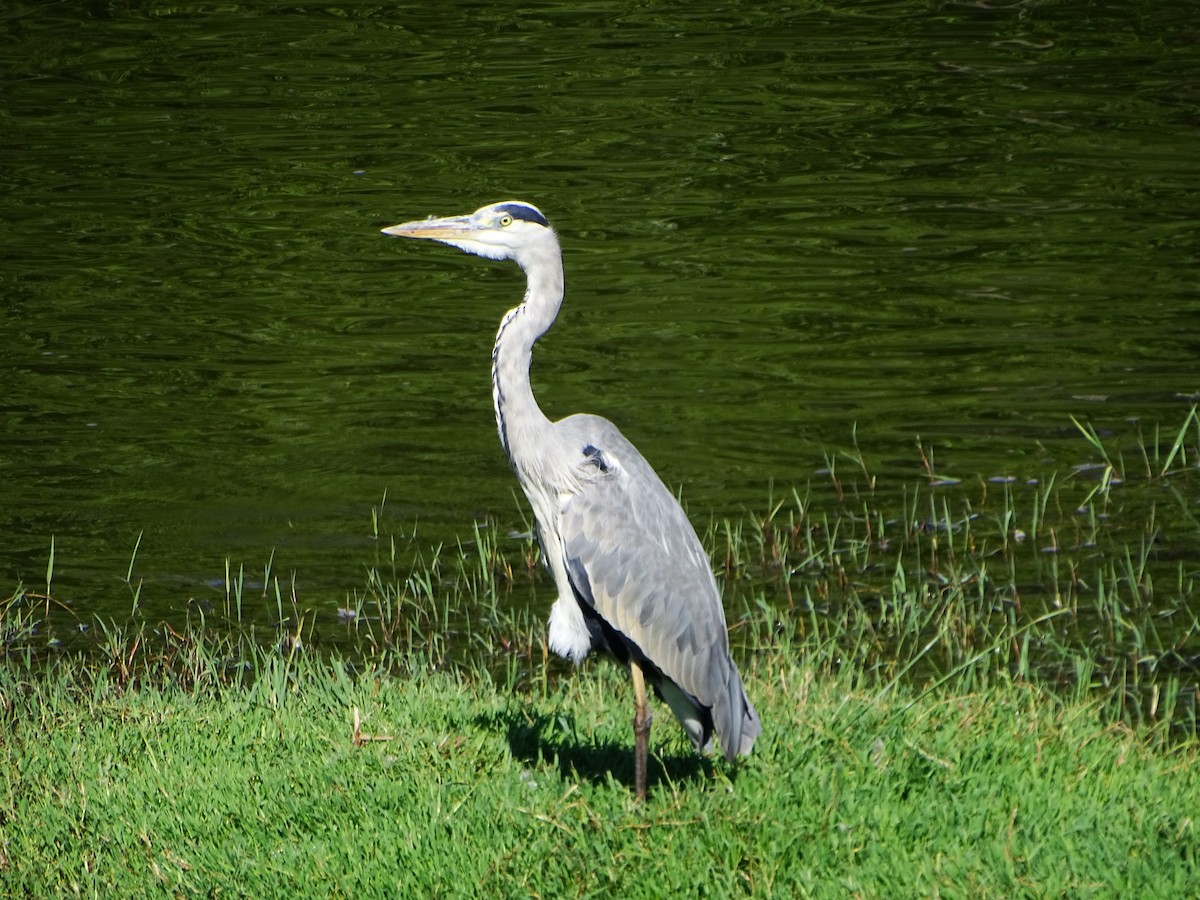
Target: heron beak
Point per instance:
(448, 229)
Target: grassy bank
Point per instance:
(975, 688)
(462, 786)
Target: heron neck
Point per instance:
(522, 425)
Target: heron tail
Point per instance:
(735, 717)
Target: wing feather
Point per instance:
(633, 557)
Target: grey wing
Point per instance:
(635, 561)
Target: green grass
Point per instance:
(462, 786)
(978, 689)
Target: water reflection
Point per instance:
(780, 226)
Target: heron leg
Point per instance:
(641, 729)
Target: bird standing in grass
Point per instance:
(633, 579)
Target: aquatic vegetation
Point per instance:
(978, 670)
(1083, 582)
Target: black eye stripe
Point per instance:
(525, 213)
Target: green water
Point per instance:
(958, 222)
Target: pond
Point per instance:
(904, 227)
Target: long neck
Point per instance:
(522, 425)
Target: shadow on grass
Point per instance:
(553, 739)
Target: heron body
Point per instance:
(633, 579)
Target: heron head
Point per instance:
(505, 230)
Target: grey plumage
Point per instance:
(633, 556)
(632, 576)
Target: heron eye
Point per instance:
(505, 220)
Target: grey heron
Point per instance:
(632, 576)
